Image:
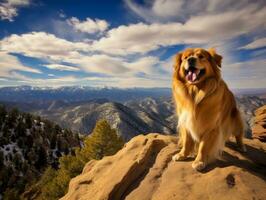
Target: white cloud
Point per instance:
(122, 54)
(181, 10)
(10, 63)
(62, 14)
(61, 67)
(42, 45)
(248, 74)
(89, 25)
(146, 65)
(116, 66)
(18, 2)
(51, 81)
(47, 46)
(7, 12)
(255, 44)
(210, 28)
(159, 10)
(100, 64)
(9, 8)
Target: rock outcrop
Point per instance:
(144, 170)
(259, 124)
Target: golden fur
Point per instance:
(206, 108)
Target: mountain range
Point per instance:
(130, 118)
(84, 93)
(77, 93)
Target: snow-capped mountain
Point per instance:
(77, 93)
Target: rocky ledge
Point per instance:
(259, 124)
(144, 170)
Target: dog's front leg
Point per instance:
(208, 147)
(187, 145)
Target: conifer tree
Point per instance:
(103, 141)
(3, 113)
(28, 120)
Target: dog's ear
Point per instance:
(216, 57)
(177, 61)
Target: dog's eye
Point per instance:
(201, 56)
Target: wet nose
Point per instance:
(191, 62)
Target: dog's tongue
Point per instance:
(192, 76)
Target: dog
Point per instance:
(206, 108)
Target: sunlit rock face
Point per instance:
(143, 169)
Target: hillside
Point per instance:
(132, 117)
(144, 170)
(130, 111)
(129, 121)
(28, 145)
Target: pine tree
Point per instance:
(41, 161)
(12, 117)
(103, 141)
(53, 141)
(28, 120)
(1, 159)
(3, 113)
(20, 129)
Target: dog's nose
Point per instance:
(191, 62)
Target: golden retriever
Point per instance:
(206, 108)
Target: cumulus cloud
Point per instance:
(122, 55)
(42, 45)
(61, 67)
(116, 66)
(181, 10)
(249, 74)
(9, 8)
(10, 63)
(51, 81)
(56, 50)
(156, 11)
(89, 25)
(258, 43)
(202, 29)
(147, 65)
(101, 64)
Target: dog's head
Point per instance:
(195, 65)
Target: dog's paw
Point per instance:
(179, 157)
(198, 165)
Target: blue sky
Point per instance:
(127, 43)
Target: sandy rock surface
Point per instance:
(144, 170)
(259, 126)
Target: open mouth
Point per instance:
(193, 75)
